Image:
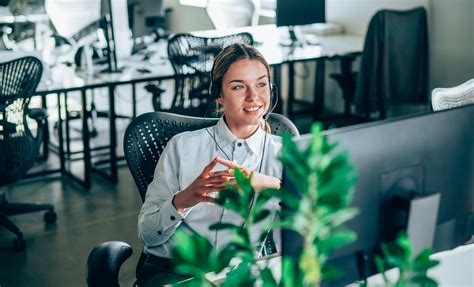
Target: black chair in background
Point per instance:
(18, 146)
(144, 141)
(394, 66)
(192, 57)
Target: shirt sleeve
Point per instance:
(158, 218)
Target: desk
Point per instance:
(65, 80)
(455, 269)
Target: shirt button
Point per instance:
(239, 144)
(159, 232)
(172, 217)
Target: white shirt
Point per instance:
(182, 161)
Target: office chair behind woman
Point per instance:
(18, 146)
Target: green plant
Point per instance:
(412, 269)
(323, 178)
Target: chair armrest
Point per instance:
(104, 262)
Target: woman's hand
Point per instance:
(259, 181)
(198, 191)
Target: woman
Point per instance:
(195, 165)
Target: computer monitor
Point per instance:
(146, 16)
(435, 152)
(299, 12)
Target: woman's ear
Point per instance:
(220, 100)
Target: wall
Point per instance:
(452, 42)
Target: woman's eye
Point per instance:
(236, 88)
(261, 85)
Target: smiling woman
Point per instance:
(196, 165)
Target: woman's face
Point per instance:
(245, 95)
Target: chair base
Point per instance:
(7, 209)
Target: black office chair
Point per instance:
(144, 141)
(192, 57)
(18, 146)
(394, 65)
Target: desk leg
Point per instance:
(113, 135)
(319, 89)
(46, 129)
(68, 134)
(291, 89)
(134, 100)
(60, 136)
(86, 141)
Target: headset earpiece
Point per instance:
(273, 100)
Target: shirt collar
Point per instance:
(225, 137)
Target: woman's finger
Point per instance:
(209, 167)
(213, 180)
(227, 172)
(227, 163)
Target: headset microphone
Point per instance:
(274, 95)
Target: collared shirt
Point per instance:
(182, 161)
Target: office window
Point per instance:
(267, 7)
(196, 3)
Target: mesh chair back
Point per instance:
(194, 55)
(190, 54)
(147, 136)
(18, 81)
(447, 98)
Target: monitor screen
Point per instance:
(300, 12)
(434, 151)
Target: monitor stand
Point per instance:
(293, 41)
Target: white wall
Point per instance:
(451, 42)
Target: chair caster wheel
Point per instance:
(19, 244)
(50, 217)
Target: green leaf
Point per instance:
(423, 262)
(223, 225)
(337, 218)
(185, 246)
(289, 277)
(422, 281)
(380, 266)
(336, 240)
(267, 278)
(331, 273)
(261, 215)
(404, 244)
(239, 276)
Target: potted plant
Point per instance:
(324, 180)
